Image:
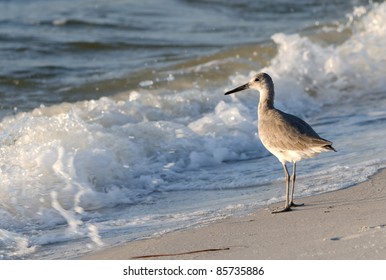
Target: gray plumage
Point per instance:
(286, 136)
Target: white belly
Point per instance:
(294, 156)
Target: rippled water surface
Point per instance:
(114, 125)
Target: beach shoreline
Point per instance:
(343, 224)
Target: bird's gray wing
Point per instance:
(288, 132)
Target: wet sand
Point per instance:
(344, 224)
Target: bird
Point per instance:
(287, 137)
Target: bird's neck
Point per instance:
(266, 98)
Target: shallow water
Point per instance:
(115, 127)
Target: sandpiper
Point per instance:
(286, 136)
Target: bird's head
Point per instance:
(261, 82)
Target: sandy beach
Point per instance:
(344, 224)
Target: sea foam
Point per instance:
(62, 166)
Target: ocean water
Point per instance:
(114, 126)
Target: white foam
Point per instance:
(62, 166)
(334, 72)
(14, 245)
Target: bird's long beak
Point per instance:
(240, 88)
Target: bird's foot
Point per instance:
(292, 204)
(285, 209)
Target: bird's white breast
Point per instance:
(293, 155)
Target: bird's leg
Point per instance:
(293, 188)
(287, 206)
